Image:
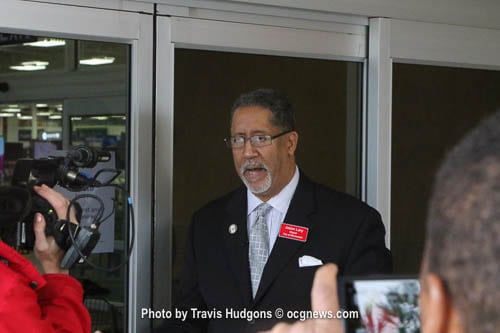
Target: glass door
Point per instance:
(66, 83)
(203, 65)
(434, 82)
(35, 129)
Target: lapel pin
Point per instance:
(233, 228)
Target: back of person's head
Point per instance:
(282, 114)
(463, 233)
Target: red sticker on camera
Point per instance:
(294, 232)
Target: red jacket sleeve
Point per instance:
(61, 302)
(52, 303)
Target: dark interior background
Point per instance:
(207, 83)
(433, 108)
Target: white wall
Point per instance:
(477, 13)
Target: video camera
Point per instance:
(19, 202)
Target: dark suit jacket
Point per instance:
(342, 230)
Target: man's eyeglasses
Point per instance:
(259, 140)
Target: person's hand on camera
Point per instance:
(324, 297)
(48, 253)
(57, 201)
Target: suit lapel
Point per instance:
(237, 243)
(299, 212)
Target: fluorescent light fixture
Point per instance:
(31, 66)
(11, 110)
(97, 61)
(47, 42)
(55, 116)
(19, 116)
(99, 117)
(6, 114)
(41, 105)
(43, 114)
(76, 118)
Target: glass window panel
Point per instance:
(102, 131)
(28, 54)
(91, 54)
(433, 107)
(326, 98)
(96, 115)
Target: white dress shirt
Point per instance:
(279, 204)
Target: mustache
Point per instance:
(252, 164)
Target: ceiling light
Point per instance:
(99, 118)
(41, 105)
(47, 42)
(55, 116)
(31, 66)
(6, 114)
(97, 61)
(43, 114)
(11, 110)
(19, 116)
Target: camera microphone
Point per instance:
(75, 180)
(86, 157)
(19, 202)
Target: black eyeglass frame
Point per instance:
(245, 139)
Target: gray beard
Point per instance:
(267, 182)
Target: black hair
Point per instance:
(282, 113)
(463, 231)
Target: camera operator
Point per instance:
(32, 302)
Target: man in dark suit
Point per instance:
(252, 254)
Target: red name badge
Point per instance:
(294, 232)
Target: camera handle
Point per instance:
(81, 246)
(77, 241)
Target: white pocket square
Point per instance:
(308, 261)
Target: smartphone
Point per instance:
(380, 304)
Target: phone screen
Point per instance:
(384, 305)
